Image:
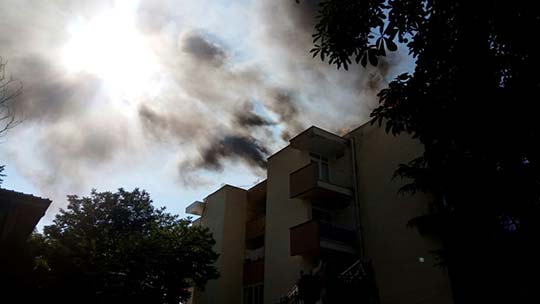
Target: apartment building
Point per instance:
(329, 208)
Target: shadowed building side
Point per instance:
(328, 216)
(282, 212)
(401, 258)
(19, 215)
(224, 213)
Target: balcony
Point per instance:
(195, 208)
(305, 183)
(255, 228)
(319, 141)
(254, 254)
(308, 238)
(197, 222)
(253, 272)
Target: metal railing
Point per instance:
(336, 233)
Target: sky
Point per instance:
(176, 97)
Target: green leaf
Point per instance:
(381, 49)
(391, 45)
(363, 62)
(403, 76)
(358, 57)
(373, 58)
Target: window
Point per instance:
(254, 294)
(322, 162)
(321, 215)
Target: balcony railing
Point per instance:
(306, 183)
(253, 272)
(254, 254)
(308, 238)
(255, 228)
(195, 208)
(336, 233)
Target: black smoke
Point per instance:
(233, 147)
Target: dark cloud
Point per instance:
(234, 147)
(85, 141)
(204, 84)
(282, 102)
(49, 93)
(202, 49)
(310, 90)
(328, 97)
(290, 26)
(69, 131)
(302, 15)
(216, 143)
(164, 125)
(246, 118)
(250, 119)
(213, 119)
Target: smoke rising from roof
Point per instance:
(203, 50)
(234, 83)
(246, 118)
(235, 147)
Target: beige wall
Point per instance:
(394, 248)
(234, 245)
(340, 169)
(225, 216)
(345, 217)
(213, 217)
(282, 270)
(341, 174)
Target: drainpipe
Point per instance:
(356, 198)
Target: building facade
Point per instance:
(19, 215)
(329, 209)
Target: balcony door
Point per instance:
(322, 164)
(321, 215)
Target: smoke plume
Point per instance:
(229, 85)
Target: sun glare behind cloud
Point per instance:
(110, 47)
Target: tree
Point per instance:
(471, 101)
(118, 248)
(2, 175)
(9, 90)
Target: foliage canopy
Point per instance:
(117, 247)
(471, 101)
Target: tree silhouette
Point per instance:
(9, 90)
(471, 101)
(118, 248)
(2, 175)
